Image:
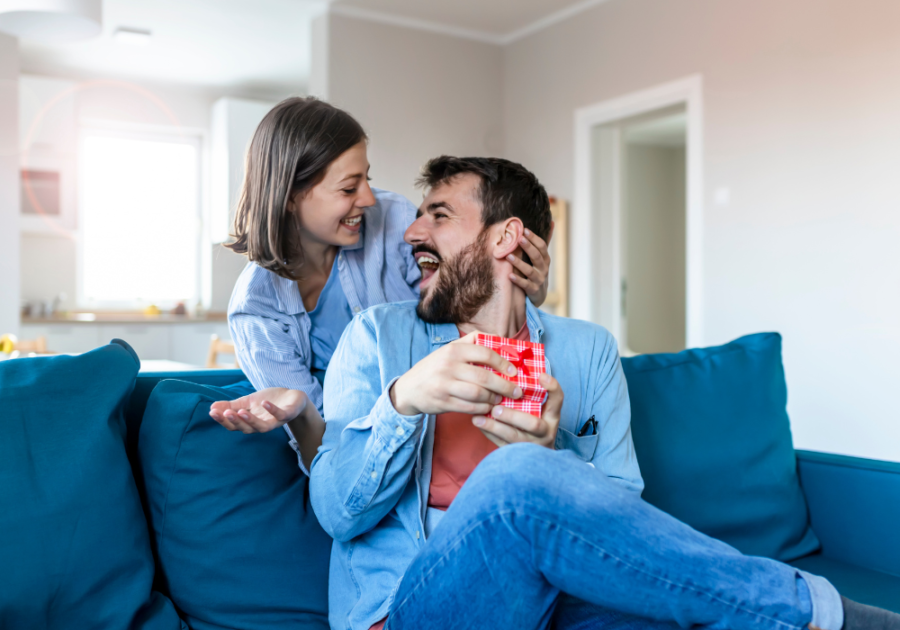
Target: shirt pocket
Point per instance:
(584, 446)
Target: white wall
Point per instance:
(319, 58)
(654, 220)
(801, 123)
(9, 185)
(417, 94)
(144, 104)
(232, 125)
(49, 268)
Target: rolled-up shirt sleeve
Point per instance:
(270, 357)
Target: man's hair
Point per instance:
(289, 154)
(507, 189)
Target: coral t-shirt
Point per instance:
(459, 446)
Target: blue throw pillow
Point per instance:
(236, 539)
(713, 440)
(75, 552)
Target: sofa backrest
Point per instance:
(146, 381)
(713, 440)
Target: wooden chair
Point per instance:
(16, 347)
(217, 347)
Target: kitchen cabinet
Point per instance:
(185, 342)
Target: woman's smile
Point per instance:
(352, 223)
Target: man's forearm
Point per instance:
(364, 466)
(308, 429)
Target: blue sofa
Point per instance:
(231, 541)
(854, 508)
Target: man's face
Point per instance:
(450, 245)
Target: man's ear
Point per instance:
(506, 240)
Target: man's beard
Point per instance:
(464, 284)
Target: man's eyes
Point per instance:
(434, 215)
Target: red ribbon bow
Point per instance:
(518, 357)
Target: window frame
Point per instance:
(198, 138)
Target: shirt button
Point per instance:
(437, 338)
(417, 534)
(399, 430)
(374, 475)
(356, 309)
(341, 257)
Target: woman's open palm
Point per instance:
(261, 411)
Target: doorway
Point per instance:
(654, 184)
(637, 253)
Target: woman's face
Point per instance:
(331, 212)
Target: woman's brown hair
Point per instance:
(289, 154)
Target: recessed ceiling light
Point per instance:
(132, 36)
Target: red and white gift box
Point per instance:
(529, 360)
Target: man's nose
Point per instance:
(415, 233)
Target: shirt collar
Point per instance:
(535, 325)
(291, 301)
(445, 333)
(357, 245)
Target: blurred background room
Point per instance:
(719, 167)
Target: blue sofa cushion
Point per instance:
(236, 539)
(713, 440)
(76, 550)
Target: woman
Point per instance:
(323, 246)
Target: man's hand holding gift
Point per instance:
(534, 417)
(509, 426)
(451, 379)
(454, 379)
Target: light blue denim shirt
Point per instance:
(270, 325)
(370, 479)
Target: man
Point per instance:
(448, 511)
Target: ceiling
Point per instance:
(258, 46)
(492, 20)
(262, 47)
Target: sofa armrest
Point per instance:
(854, 507)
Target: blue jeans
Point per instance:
(538, 539)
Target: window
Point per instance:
(140, 220)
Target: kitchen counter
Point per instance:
(164, 337)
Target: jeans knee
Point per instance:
(528, 472)
(513, 469)
(515, 457)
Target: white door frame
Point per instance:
(595, 260)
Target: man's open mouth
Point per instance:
(351, 221)
(429, 264)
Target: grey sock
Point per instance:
(861, 617)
